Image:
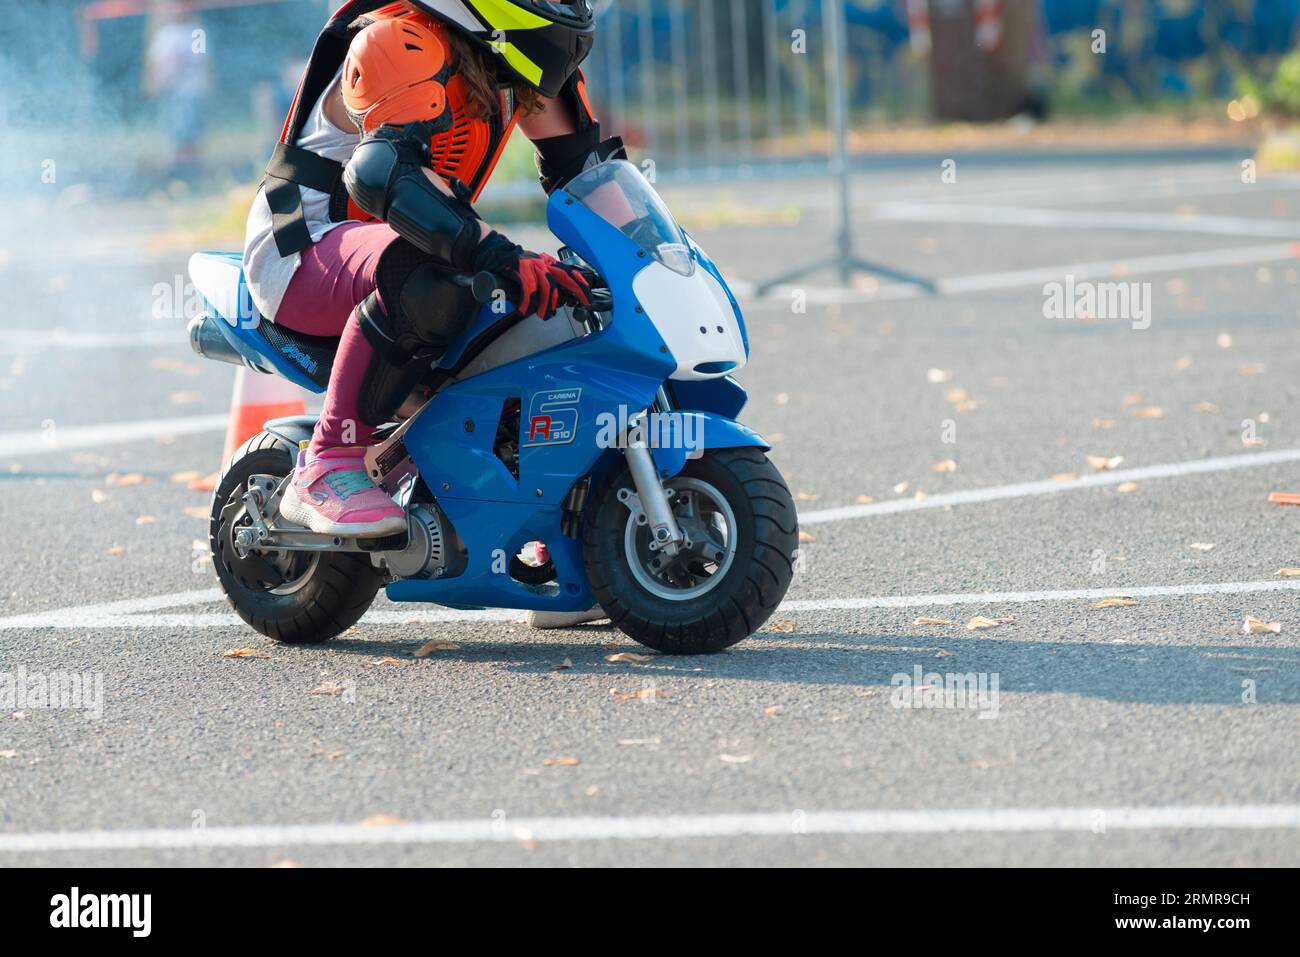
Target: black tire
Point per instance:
(746, 592)
(332, 590)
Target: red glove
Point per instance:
(544, 283)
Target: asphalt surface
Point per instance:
(1164, 703)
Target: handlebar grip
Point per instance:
(485, 285)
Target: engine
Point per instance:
(431, 548)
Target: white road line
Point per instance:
(68, 437)
(1086, 219)
(1030, 597)
(1039, 275)
(22, 341)
(794, 823)
(98, 618)
(996, 493)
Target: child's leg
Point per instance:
(335, 276)
(331, 492)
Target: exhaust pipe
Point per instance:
(207, 340)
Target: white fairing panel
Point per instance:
(695, 319)
(220, 280)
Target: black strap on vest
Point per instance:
(291, 166)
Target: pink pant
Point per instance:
(336, 274)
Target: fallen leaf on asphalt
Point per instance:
(901, 487)
(968, 405)
(186, 398)
(332, 755)
(286, 864)
(1253, 626)
(430, 647)
(629, 656)
(1115, 603)
(947, 465)
(564, 665)
(381, 820)
(387, 660)
(1103, 423)
(116, 550)
(98, 497)
(1064, 477)
(8, 754)
(783, 626)
(919, 495)
(1207, 407)
(196, 511)
(1223, 341)
(643, 693)
(205, 484)
(118, 480)
(979, 622)
(1251, 442)
(1149, 412)
(1103, 463)
(956, 394)
(188, 476)
(145, 520)
(1202, 546)
(865, 499)
(938, 375)
(1183, 363)
(930, 621)
(327, 688)
(1134, 399)
(244, 653)
(805, 536)
(807, 496)
(630, 742)
(1289, 572)
(1252, 368)
(1126, 487)
(735, 758)
(943, 653)
(565, 762)
(772, 710)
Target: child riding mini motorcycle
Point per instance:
(459, 424)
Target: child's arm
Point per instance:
(567, 136)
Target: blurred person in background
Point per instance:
(177, 75)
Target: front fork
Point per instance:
(651, 499)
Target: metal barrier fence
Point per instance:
(707, 87)
(703, 86)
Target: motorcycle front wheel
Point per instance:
(739, 518)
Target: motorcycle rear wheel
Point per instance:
(292, 597)
(739, 514)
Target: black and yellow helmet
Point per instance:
(541, 41)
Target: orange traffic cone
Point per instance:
(257, 399)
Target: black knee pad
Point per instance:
(416, 312)
(427, 309)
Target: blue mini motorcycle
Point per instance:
(607, 433)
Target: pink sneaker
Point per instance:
(333, 495)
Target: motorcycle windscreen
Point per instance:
(618, 193)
